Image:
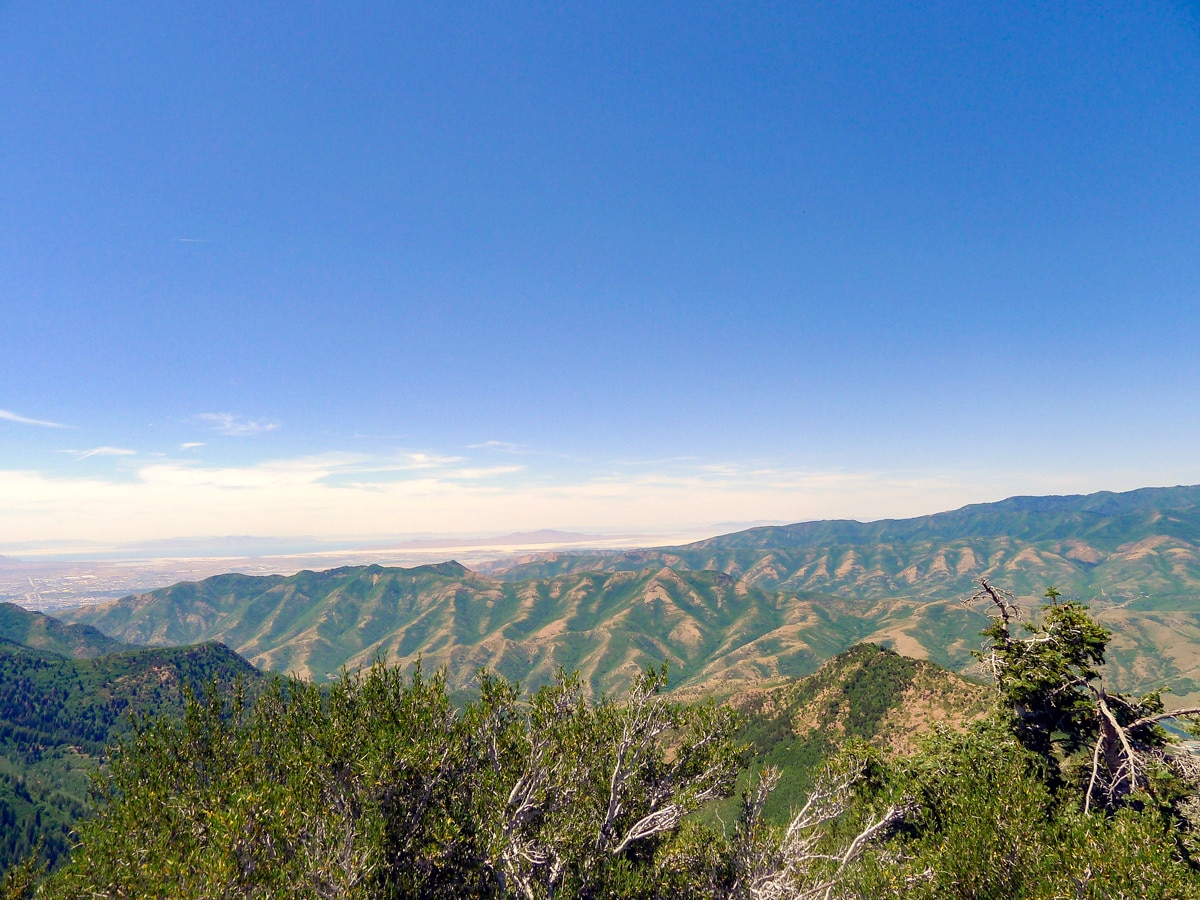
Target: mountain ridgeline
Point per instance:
(1139, 545)
(736, 609)
(41, 632)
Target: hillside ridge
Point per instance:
(35, 629)
(728, 611)
(867, 693)
(1120, 547)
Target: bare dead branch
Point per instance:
(1087, 800)
(786, 867)
(1172, 714)
(893, 817)
(1004, 603)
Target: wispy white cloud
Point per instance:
(101, 451)
(236, 426)
(409, 460)
(344, 495)
(9, 416)
(191, 445)
(386, 466)
(499, 447)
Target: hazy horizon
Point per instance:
(372, 270)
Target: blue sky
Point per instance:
(356, 269)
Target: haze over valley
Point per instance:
(723, 451)
(57, 577)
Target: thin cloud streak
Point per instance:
(10, 416)
(236, 426)
(499, 447)
(101, 451)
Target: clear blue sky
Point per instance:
(366, 268)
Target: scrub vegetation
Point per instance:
(1044, 785)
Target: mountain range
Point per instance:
(764, 603)
(1114, 547)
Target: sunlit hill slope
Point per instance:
(763, 603)
(1141, 544)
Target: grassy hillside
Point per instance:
(1139, 545)
(34, 629)
(58, 714)
(867, 693)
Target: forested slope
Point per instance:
(867, 693)
(58, 714)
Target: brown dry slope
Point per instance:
(708, 626)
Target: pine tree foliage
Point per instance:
(1049, 678)
(1067, 790)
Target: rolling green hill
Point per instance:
(34, 629)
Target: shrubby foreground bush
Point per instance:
(379, 787)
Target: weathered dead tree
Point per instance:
(1125, 755)
(596, 780)
(798, 864)
(1003, 612)
(1050, 678)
